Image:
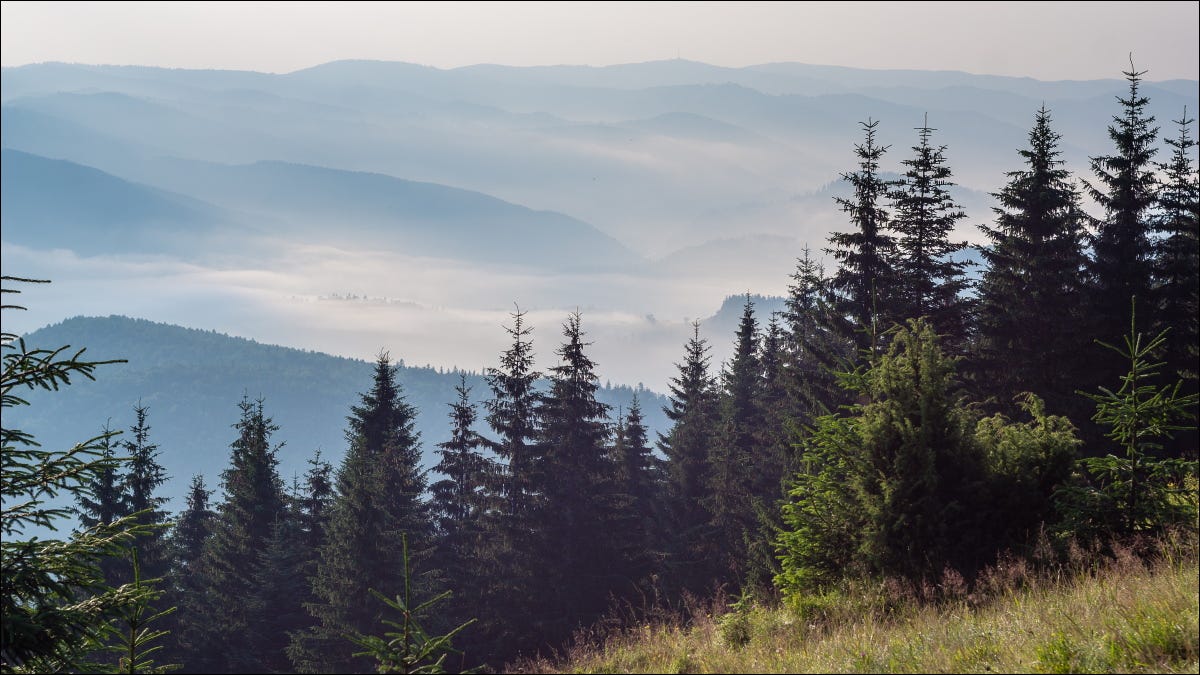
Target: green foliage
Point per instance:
(132, 635)
(409, 648)
(1135, 491)
(907, 483)
(55, 601)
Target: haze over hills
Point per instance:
(643, 194)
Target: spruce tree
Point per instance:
(692, 410)
(460, 503)
(734, 457)
(931, 280)
(514, 587)
(1031, 294)
(577, 517)
(103, 502)
(378, 505)
(281, 589)
(866, 273)
(1122, 258)
(815, 343)
(639, 517)
(246, 520)
(1177, 264)
(459, 500)
(190, 632)
(141, 480)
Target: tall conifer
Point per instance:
(1177, 265)
(246, 520)
(692, 411)
(1030, 297)
(378, 504)
(1122, 258)
(733, 458)
(866, 276)
(931, 278)
(576, 522)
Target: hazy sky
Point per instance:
(1049, 41)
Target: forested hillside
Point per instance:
(191, 381)
(899, 436)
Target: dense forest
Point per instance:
(901, 419)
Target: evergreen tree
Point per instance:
(189, 640)
(815, 346)
(139, 484)
(246, 520)
(460, 503)
(512, 415)
(1122, 266)
(514, 588)
(1177, 263)
(378, 504)
(576, 520)
(866, 274)
(775, 461)
(313, 506)
(55, 601)
(281, 589)
(1030, 297)
(931, 281)
(103, 502)
(460, 499)
(734, 456)
(692, 411)
(639, 516)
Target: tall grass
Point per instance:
(1112, 612)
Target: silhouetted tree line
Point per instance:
(895, 420)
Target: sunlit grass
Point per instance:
(1125, 616)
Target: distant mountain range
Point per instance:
(91, 212)
(658, 156)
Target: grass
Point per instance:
(1122, 615)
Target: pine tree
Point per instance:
(866, 274)
(378, 505)
(1122, 266)
(576, 520)
(686, 447)
(246, 520)
(931, 281)
(733, 458)
(1177, 263)
(1030, 296)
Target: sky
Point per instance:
(1043, 40)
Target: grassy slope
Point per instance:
(1124, 618)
